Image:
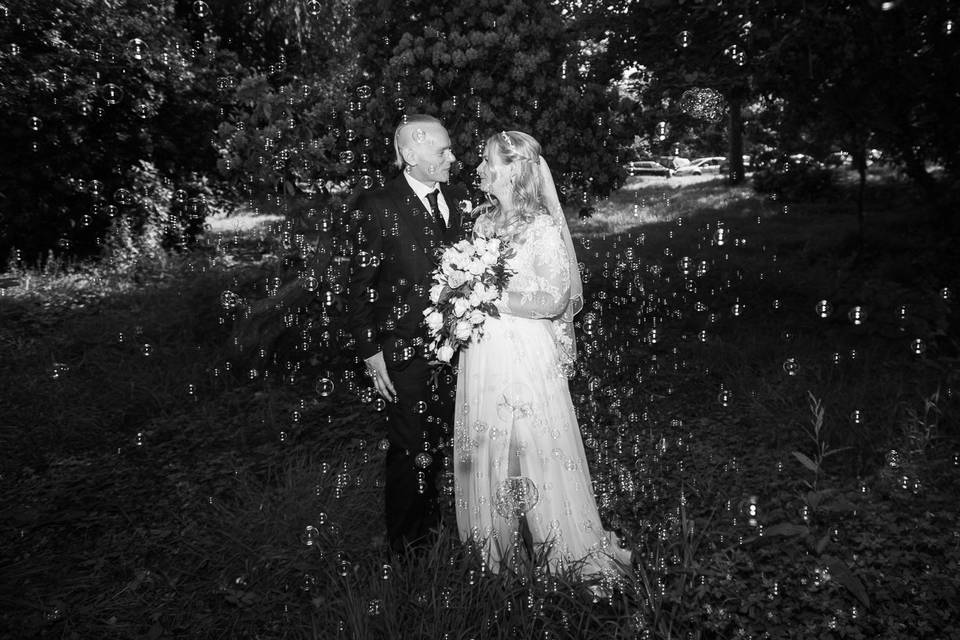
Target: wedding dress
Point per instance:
(517, 445)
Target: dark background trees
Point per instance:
(143, 111)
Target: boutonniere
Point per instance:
(466, 206)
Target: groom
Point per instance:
(403, 225)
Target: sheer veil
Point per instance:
(566, 339)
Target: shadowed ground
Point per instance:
(149, 490)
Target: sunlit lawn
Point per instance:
(156, 483)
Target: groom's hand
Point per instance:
(377, 370)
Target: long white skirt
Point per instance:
(518, 452)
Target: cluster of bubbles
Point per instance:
(703, 104)
(515, 496)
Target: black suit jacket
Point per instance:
(398, 245)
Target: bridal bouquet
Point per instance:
(471, 276)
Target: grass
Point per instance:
(166, 491)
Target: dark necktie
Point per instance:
(435, 209)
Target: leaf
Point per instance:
(807, 462)
(823, 542)
(813, 498)
(839, 504)
(787, 529)
(845, 577)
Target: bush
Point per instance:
(76, 143)
(793, 180)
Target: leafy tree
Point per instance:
(724, 47)
(96, 96)
(487, 66)
(886, 74)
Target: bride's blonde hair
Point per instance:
(511, 147)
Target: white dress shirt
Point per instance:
(422, 190)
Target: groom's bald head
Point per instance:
(423, 149)
(413, 131)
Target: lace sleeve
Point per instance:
(541, 287)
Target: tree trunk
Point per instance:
(860, 158)
(735, 151)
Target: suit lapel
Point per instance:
(455, 220)
(414, 214)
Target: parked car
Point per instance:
(709, 164)
(688, 169)
(802, 159)
(838, 159)
(725, 165)
(647, 168)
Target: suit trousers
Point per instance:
(419, 422)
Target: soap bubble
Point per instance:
(736, 54)
(364, 92)
(324, 387)
(790, 366)
(720, 236)
(824, 309)
(123, 197)
(201, 9)
(229, 299)
(857, 315)
(423, 460)
(314, 7)
(111, 93)
(57, 370)
(590, 323)
(346, 157)
(725, 398)
(662, 130)
(893, 458)
(137, 49)
(918, 347)
(516, 496)
(683, 39)
(310, 536)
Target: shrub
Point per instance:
(793, 180)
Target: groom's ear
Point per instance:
(409, 156)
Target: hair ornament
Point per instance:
(506, 139)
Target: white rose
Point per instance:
(490, 294)
(444, 353)
(463, 330)
(477, 317)
(435, 292)
(435, 321)
(489, 258)
(476, 267)
(460, 306)
(457, 278)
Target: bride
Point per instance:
(520, 474)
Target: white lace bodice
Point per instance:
(540, 285)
